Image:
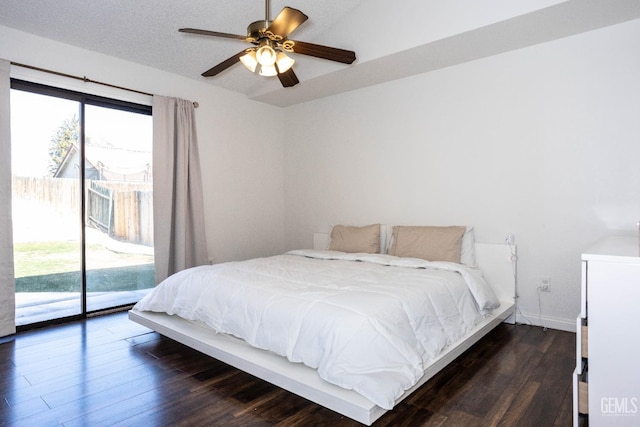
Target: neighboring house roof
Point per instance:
(109, 163)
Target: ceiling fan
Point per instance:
(270, 42)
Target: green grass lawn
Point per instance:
(55, 267)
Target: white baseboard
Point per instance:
(568, 325)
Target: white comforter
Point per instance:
(370, 323)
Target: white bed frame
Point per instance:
(497, 264)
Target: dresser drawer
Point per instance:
(581, 392)
(584, 341)
(583, 291)
(583, 397)
(580, 399)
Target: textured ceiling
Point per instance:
(146, 31)
(427, 35)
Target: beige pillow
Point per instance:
(429, 243)
(355, 239)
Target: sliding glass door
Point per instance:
(118, 205)
(46, 210)
(82, 202)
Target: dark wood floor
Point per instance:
(109, 371)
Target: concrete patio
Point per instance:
(32, 307)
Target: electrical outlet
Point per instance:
(545, 284)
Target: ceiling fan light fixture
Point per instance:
(269, 40)
(265, 54)
(268, 70)
(284, 62)
(249, 60)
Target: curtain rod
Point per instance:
(85, 79)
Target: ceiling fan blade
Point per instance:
(223, 65)
(213, 33)
(324, 52)
(288, 78)
(288, 20)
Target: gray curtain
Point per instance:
(178, 211)
(7, 280)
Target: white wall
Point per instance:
(242, 173)
(543, 142)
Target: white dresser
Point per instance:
(606, 383)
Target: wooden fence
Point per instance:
(59, 193)
(124, 210)
(121, 209)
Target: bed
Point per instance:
(332, 326)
